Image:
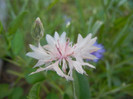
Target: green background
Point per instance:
(110, 20)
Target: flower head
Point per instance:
(62, 56)
(98, 53)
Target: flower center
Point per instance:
(64, 50)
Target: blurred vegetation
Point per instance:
(109, 20)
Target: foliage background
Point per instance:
(109, 20)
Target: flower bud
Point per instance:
(37, 29)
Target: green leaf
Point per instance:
(119, 65)
(17, 42)
(121, 36)
(123, 33)
(34, 92)
(15, 73)
(130, 2)
(17, 23)
(1, 27)
(32, 79)
(108, 73)
(96, 27)
(17, 93)
(4, 90)
(121, 21)
(80, 13)
(128, 89)
(52, 96)
(125, 88)
(81, 85)
(90, 24)
(52, 4)
(66, 96)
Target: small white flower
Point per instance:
(61, 56)
(68, 24)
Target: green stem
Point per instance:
(56, 87)
(16, 73)
(45, 89)
(74, 91)
(108, 69)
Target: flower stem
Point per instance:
(74, 91)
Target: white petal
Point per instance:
(80, 38)
(42, 69)
(89, 36)
(88, 65)
(92, 41)
(58, 71)
(64, 66)
(63, 37)
(69, 78)
(38, 55)
(70, 67)
(33, 55)
(52, 67)
(78, 67)
(89, 56)
(79, 58)
(33, 47)
(92, 49)
(39, 63)
(56, 36)
(38, 49)
(84, 42)
(50, 39)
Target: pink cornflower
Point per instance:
(62, 56)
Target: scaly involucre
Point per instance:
(62, 56)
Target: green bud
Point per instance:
(37, 29)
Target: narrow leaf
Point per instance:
(96, 27)
(17, 23)
(81, 85)
(1, 27)
(17, 42)
(34, 92)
